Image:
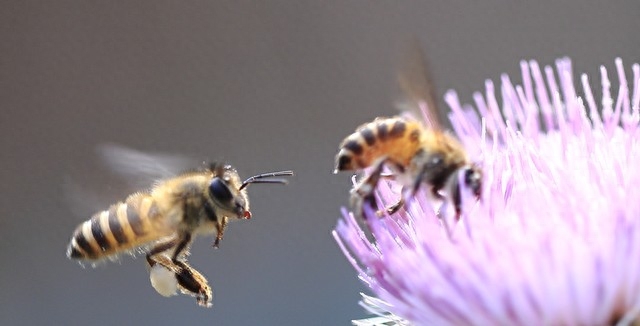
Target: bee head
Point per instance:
(225, 190)
(230, 194)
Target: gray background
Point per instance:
(265, 86)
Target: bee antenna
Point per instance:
(262, 178)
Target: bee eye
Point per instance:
(219, 190)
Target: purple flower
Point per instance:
(555, 239)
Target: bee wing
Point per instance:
(139, 171)
(142, 167)
(416, 84)
(82, 200)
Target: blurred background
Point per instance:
(264, 86)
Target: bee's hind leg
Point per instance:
(392, 209)
(189, 279)
(192, 281)
(363, 192)
(154, 257)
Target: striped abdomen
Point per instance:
(123, 227)
(396, 138)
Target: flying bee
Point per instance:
(417, 153)
(164, 221)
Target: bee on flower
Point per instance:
(552, 242)
(418, 153)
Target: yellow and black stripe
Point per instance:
(122, 227)
(395, 137)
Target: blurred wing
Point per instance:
(82, 201)
(417, 86)
(139, 170)
(141, 167)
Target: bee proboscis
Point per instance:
(418, 154)
(164, 221)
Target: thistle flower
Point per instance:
(555, 239)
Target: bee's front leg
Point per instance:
(220, 227)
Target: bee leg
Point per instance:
(395, 207)
(388, 176)
(400, 203)
(358, 202)
(359, 199)
(454, 198)
(153, 258)
(192, 281)
(182, 246)
(220, 227)
(188, 278)
(363, 192)
(436, 193)
(457, 201)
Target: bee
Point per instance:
(164, 221)
(418, 154)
